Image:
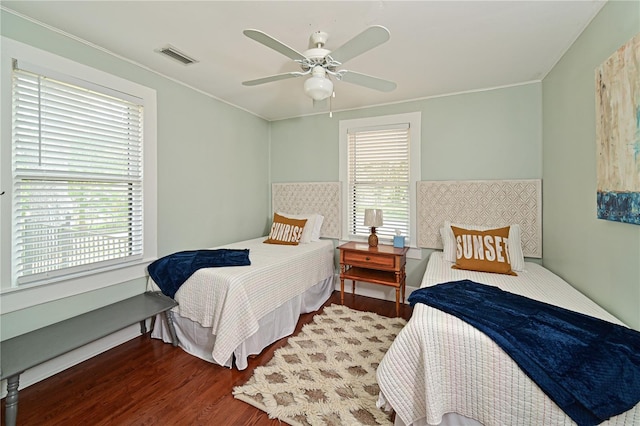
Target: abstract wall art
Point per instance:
(618, 135)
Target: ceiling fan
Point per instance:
(321, 64)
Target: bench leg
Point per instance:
(172, 329)
(11, 401)
(153, 323)
(143, 326)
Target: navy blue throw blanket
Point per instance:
(588, 366)
(170, 272)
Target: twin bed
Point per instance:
(439, 370)
(225, 315)
(442, 371)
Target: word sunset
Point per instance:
(486, 251)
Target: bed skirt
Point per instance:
(198, 340)
(448, 419)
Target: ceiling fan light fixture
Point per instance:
(318, 86)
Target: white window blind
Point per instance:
(379, 177)
(77, 178)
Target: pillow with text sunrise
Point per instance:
(285, 230)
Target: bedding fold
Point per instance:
(171, 271)
(589, 367)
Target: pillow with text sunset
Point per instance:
(484, 251)
(285, 230)
(516, 257)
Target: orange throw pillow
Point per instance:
(285, 230)
(484, 251)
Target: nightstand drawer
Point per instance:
(369, 260)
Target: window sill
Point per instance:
(26, 296)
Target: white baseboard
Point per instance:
(56, 365)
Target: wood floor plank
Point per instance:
(147, 382)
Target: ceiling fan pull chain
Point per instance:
(333, 95)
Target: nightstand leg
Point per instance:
(353, 287)
(341, 291)
(397, 301)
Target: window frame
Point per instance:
(19, 297)
(414, 120)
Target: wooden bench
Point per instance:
(35, 347)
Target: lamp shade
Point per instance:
(318, 86)
(373, 218)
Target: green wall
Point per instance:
(598, 257)
(213, 176)
(493, 134)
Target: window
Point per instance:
(380, 164)
(77, 177)
(78, 167)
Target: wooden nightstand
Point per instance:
(384, 265)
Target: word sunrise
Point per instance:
(286, 232)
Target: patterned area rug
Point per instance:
(326, 374)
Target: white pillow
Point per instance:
(316, 229)
(515, 244)
(311, 230)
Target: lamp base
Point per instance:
(373, 238)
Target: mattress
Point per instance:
(230, 302)
(439, 364)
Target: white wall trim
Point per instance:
(415, 123)
(20, 297)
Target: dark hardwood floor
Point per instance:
(147, 382)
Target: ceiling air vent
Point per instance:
(177, 55)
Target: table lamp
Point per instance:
(373, 218)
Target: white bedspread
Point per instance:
(231, 300)
(439, 364)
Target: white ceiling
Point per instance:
(436, 47)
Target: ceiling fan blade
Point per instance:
(274, 44)
(366, 40)
(367, 81)
(271, 78)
